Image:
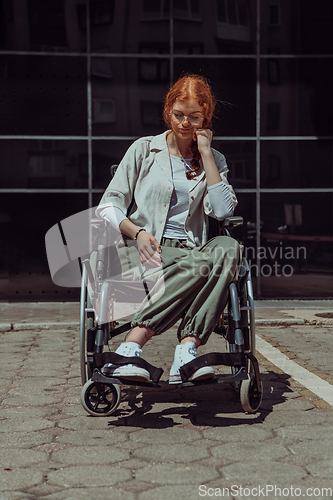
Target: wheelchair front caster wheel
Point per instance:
(250, 395)
(99, 399)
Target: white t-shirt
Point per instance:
(219, 198)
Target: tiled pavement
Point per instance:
(161, 443)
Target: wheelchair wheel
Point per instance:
(250, 395)
(100, 400)
(249, 290)
(87, 320)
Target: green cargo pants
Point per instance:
(192, 285)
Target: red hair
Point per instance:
(191, 87)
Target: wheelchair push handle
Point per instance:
(233, 221)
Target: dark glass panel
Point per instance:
(296, 97)
(25, 219)
(296, 164)
(105, 154)
(241, 160)
(43, 95)
(42, 26)
(219, 27)
(296, 253)
(43, 164)
(128, 101)
(234, 83)
(118, 26)
(297, 27)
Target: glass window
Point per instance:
(106, 154)
(297, 27)
(43, 95)
(241, 161)
(41, 26)
(296, 252)
(188, 9)
(42, 164)
(233, 81)
(296, 97)
(155, 9)
(122, 27)
(152, 114)
(24, 269)
(296, 164)
(225, 29)
(117, 102)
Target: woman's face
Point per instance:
(186, 117)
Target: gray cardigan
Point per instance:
(145, 175)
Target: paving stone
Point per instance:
(183, 492)
(23, 439)
(176, 474)
(89, 475)
(226, 434)
(13, 457)
(301, 432)
(293, 405)
(279, 419)
(104, 493)
(28, 425)
(178, 453)
(322, 469)
(91, 455)
(92, 437)
(24, 413)
(314, 449)
(85, 422)
(19, 478)
(262, 451)
(165, 436)
(263, 472)
(31, 400)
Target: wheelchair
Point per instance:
(100, 291)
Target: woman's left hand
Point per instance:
(204, 137)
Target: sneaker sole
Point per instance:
(201, 374)
(133, 375)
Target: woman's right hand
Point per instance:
(148, 255)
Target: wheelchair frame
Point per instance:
(101, 395)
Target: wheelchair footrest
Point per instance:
(219, 379)
(100, 359)
(98, 377)
(212, 358)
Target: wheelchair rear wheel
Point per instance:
(99, 399)
(87, 321)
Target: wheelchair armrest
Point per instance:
(231, 222)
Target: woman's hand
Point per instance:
(204, 137)
(147, 253)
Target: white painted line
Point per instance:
(311, 381)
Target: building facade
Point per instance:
(81, 79)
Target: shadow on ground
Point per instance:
(215, 405)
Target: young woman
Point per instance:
(176, 180)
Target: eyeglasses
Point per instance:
(192, 119)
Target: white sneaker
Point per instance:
(185, 353)
(130, 372)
